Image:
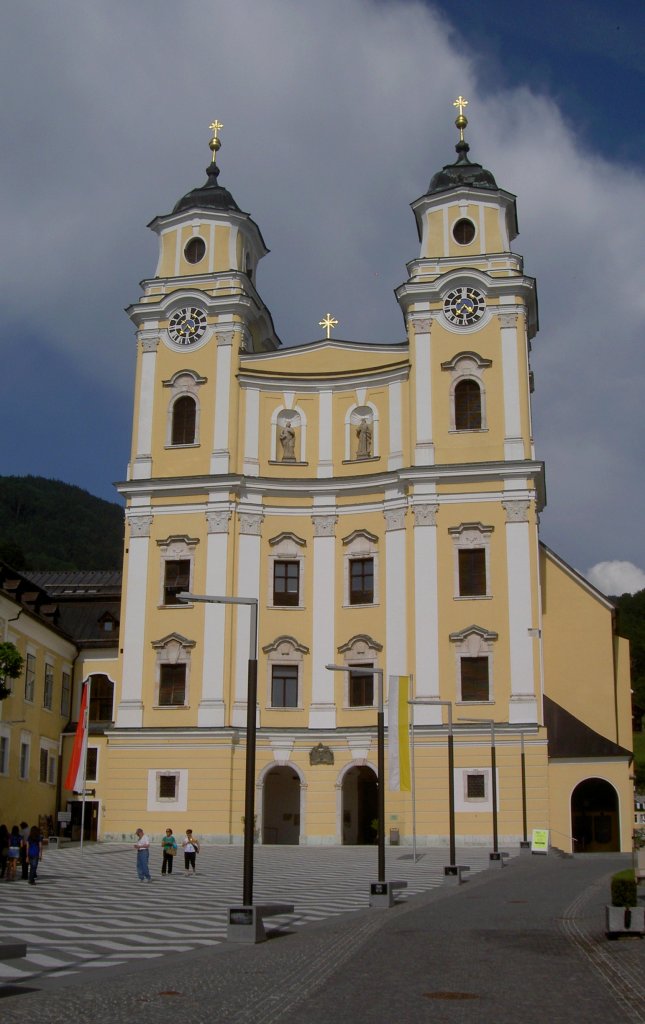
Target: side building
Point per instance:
(381, 503)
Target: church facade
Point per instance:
(381, 504)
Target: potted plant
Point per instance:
(624, 917)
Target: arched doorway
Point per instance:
(594, 817)
(360, 806)
(281, 807)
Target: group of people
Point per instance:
(21, 846)
(169, 849)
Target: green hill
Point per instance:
(47, 524)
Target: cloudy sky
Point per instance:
(336, 115)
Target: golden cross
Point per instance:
(215, 143)
(459, 102)
(328, 323)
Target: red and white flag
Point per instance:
(75, 779)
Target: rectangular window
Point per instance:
(24, 760)
(51, 770)
(172, 685)
(361, 581)
(66, 694)
(286, 583)
(44, 759)
(167, 787)
(30, 676)
(91, 764)
(48, 691)
(4, 755)
(474, 679)
(176, 579)
(361, 689)
(472, 572)
(475, 786)
(284, 686)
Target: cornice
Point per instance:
(335, 380)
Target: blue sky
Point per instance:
(335, 117)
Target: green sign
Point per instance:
(540, 840)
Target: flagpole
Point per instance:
(86, 729)
(413, 778)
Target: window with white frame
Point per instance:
(360, 557)
(285, 664)
(467, 391)
(471, 544)
(4, 754)
(30, 677)
(172, 671)
(286, 571)
(474, 664)
(183, 409)
(66, 694)
(177, 560)
(475, 785)
(167, 789)
(361, 651)
(91, 764)
(47, 762)
(25, 757)
(48, 688)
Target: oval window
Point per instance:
(195, 249)
(463, 231)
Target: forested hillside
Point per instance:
(47, 524)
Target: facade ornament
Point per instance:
(287, 437)
(250, 523)
(364, 435)
(224, 337)
(421, 324)
(140, 526)
(217, 522)
(324, 526)
(425, 515)
(321, 754)
(394, 518)
(149, 341)
(508, 319)
(516, 511)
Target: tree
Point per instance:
(11, 662)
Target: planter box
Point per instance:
(624, 921)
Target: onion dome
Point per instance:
(463, 172)
(210, 196)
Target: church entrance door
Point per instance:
(360, 806)
(281, 808)
(594, 817)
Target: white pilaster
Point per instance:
(252, 432)
(322, 711)
(396, 632)
(423, 446)
(211, 711)
(220, 458)
(513, 442)
(248, 585)
(325, 462)
(129, 712)
(523, 700)
(395, 456)
(426, 613)
(142, 466)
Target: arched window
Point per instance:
(183, 420)
(468, 405)
(101, 699)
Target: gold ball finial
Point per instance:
(461, 120)
(215, 142)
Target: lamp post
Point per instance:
(251, 703)
(451, 769)
(493, 764)
(380, 747)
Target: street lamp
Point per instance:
(451, 770)
(493, 764)
(380, 746)
(251, 703)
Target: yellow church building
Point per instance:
(381, 503)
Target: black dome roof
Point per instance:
(462, 172)
(209, 196)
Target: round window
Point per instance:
(195, 249)
(463, 231)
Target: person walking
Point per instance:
(4, 849)
(24, 832)
(142, 846)
(191, 849)
(34, 852)
(169, 850)
(15, 842)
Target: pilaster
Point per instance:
(523, 700)
(129, 713)
(322, 711)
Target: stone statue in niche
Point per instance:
(364, 435)
(321, 755)
(288, 442)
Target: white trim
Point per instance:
(167, 804)
(252, 432)
(325, 466)
(220, 457)
(513, 440)
(523, 705)
(322, 711)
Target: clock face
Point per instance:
(187, 325)
(464, 306)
